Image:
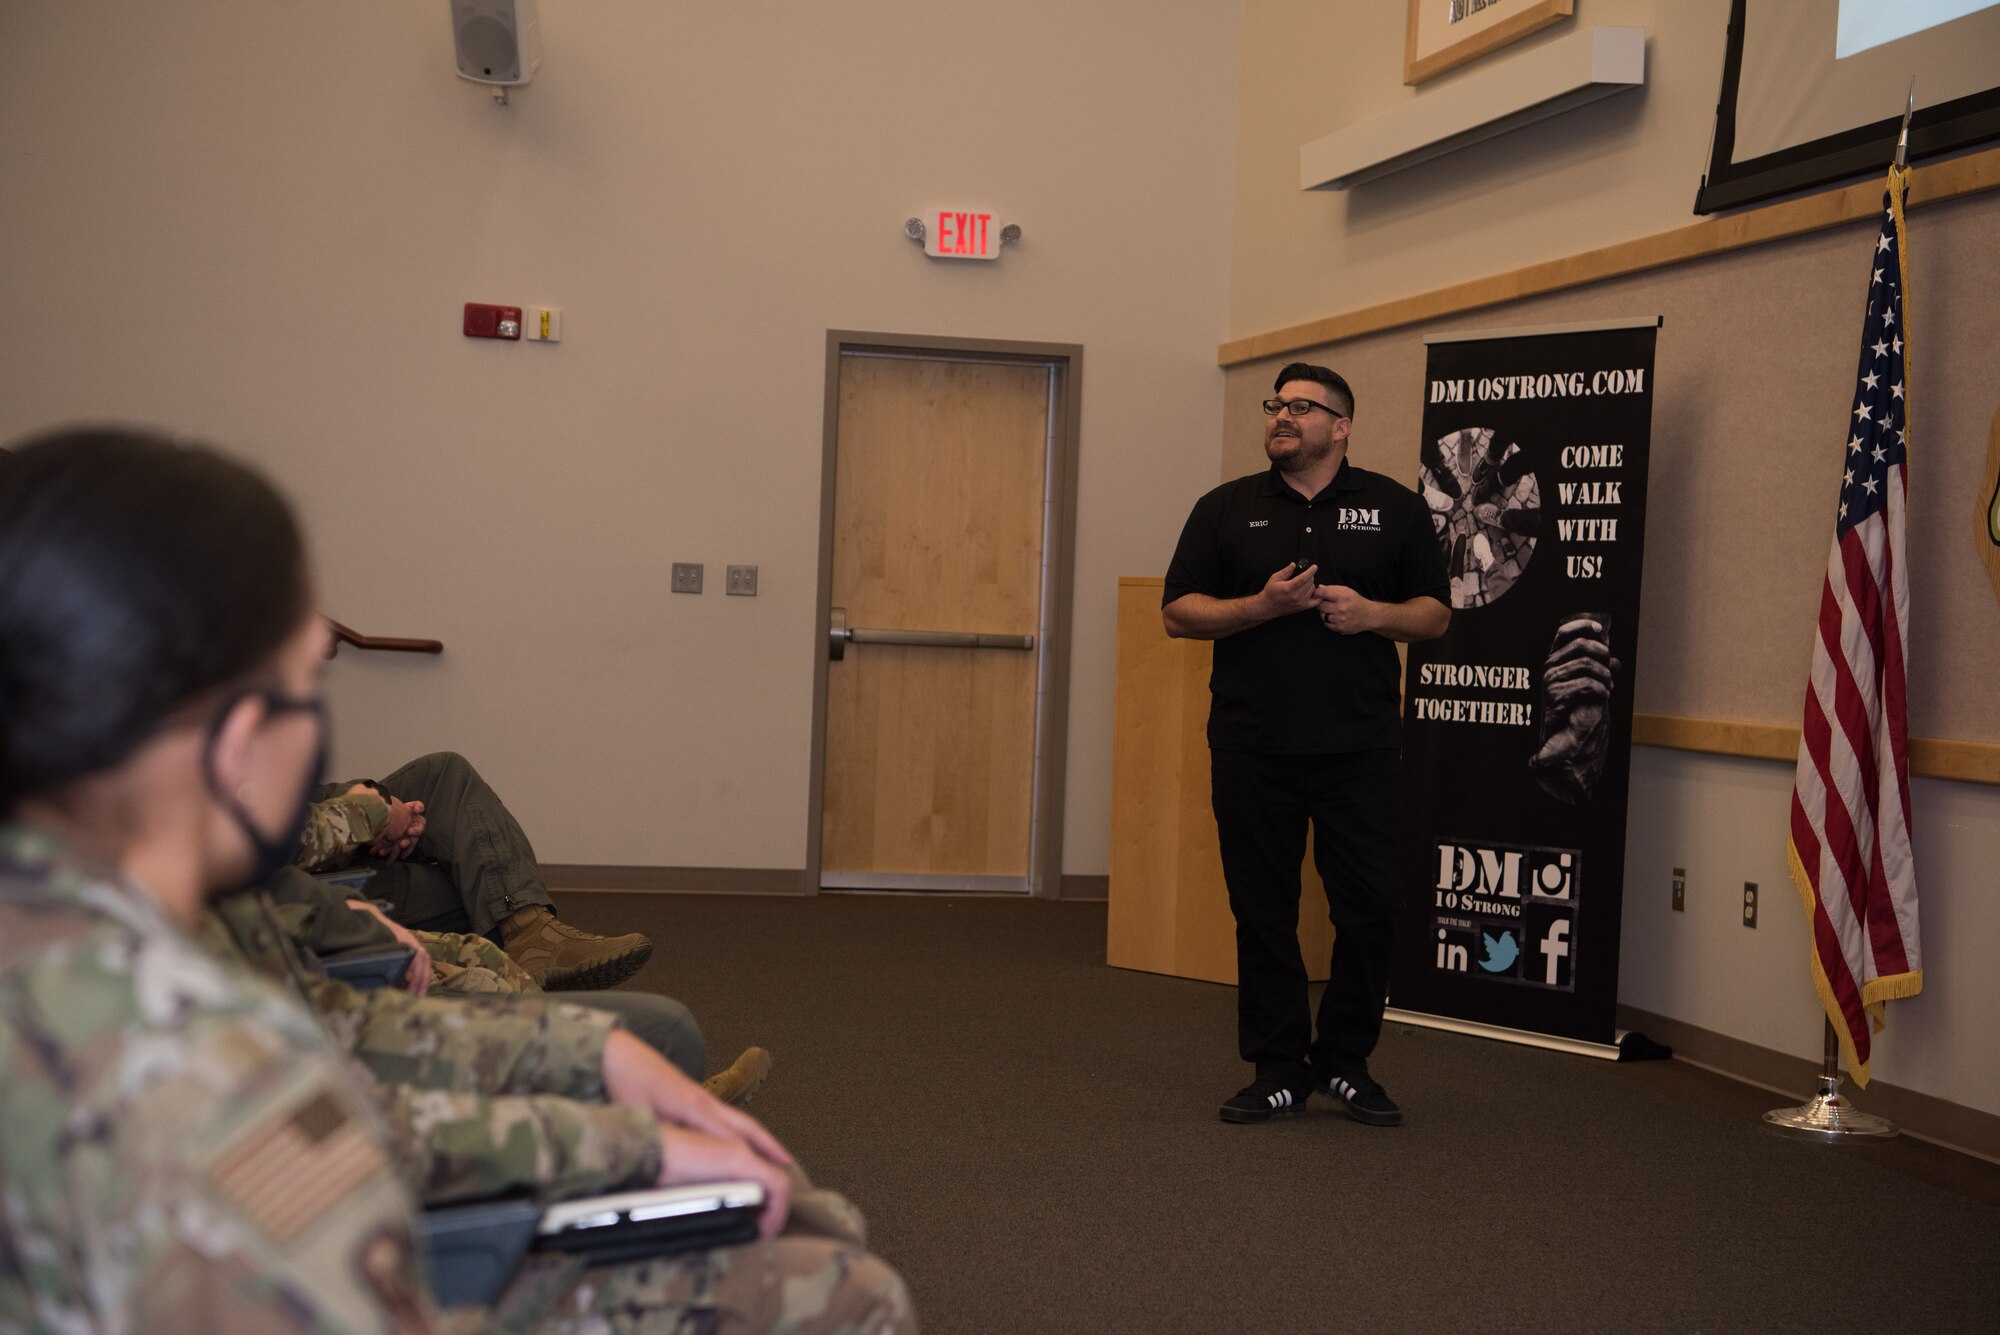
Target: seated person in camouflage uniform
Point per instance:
(482, 1099)
(182, 1146)
(449, 857)
(320, 920)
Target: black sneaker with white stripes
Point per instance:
(1262, 1100)
(1365, 1100)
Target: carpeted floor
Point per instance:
(1033, 1137)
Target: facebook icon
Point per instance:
(1555, 953)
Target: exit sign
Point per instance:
(955, 235)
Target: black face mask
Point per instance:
(269, 855)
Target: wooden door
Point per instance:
(939, 502)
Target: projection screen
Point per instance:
(1796, 114)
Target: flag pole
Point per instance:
(1827, 1112)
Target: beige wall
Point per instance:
(257, 221)
(1753, 386)
(1624, 167)
(1722, 820)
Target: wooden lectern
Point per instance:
(1169, 912)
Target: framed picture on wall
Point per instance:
(1444, 34)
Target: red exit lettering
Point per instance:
(963, 233)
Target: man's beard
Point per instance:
(1302, 456)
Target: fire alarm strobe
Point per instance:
(484, 321)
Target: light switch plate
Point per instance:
(687, 577)
(742, 581)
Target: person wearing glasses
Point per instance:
(182, 1147)
(1305, 576)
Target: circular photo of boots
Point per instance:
(1486, 508)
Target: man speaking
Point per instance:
(1304, 575)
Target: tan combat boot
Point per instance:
(561, 958)
(742, 1078)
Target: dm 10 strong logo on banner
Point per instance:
(1509, 913)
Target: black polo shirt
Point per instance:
(1291, 685)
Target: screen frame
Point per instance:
(1862, 151)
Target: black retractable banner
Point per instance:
(1517, 724)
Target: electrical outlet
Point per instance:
(1749, 903)
(1680, 889)
(742, 581)
(687, 577)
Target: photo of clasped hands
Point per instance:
(1340, 608)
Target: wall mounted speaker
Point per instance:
(498, 41)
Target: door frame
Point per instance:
(1058, 564)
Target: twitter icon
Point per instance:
(1500, 952)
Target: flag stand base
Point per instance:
(1828, 1113)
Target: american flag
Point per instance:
(290, 1170)
(1850, 829)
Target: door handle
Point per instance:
(840, 635)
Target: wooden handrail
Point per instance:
(345, 635)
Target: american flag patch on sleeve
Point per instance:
(288, 1170)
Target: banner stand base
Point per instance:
(1555, 1043)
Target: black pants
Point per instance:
(473, 866)
(1263, 804)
